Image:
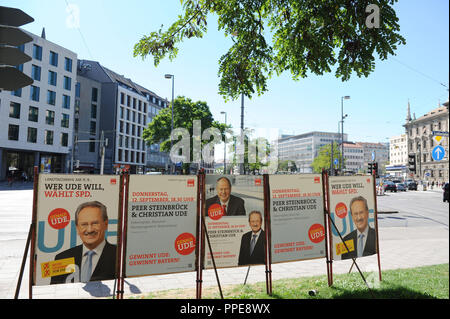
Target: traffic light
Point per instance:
(375, 169)
(412, 163)
(369, 170)
(11, 37)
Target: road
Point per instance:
(412, 209)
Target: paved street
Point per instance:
(413, 232)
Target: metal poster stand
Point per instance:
(30, 239)
(119, 234)
(267, 226)
(346, 247)
(123, 247)
(199, 246)
(326, 225)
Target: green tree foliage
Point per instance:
(283, 166)
(185, 111)
(323, 160)
(273, 36)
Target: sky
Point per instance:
(107, 30)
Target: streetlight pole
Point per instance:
(342, 130)
(171, 76)
(225, 146)
(241, 165)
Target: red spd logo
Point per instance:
(215, 211)
(316, 233)
(257, 181)
(58, 218)
(185, 244)
(368, 181)
(190, 183)
(341, 210)
(113, 181)
(317, 179)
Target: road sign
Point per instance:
(438, 153)
(336, 161)
(440, 133)
(438, 138)
(373, 156)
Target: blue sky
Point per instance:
(108, 30)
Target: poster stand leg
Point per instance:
(376, 226)
(212, 257)
(200, 246)
(22, 267)
(268, 250)
(351, 267)
(326, 226)
(354, 259)
(246, 276)
(33, 233)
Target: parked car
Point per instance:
(445, 188)
(389, 186)
(401, 187)
(411, 185)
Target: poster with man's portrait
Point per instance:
(234, 219)
(76, 230)
(352, 208)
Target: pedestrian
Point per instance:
(10, 180)
(432, 184)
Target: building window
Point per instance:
(52, 78)
(48, 137)
(121, 112)
(120, 140)
(122, 98)
(93, 111)
(121, 126)
(64, 139)
(32, 135)
(66, 102)
(13, 132)
(53, 58)
(94, 94)
(93, 128)
(37, 52)
(36, 72)
(49, 117)
(33, 113)
(128, 100)
(77, 89)
(67, 83)
(65, 120)
(34, 93)
(119, 156)
(68, 64)
(17, 92)
(14, 110)
(92, 145)
(51, 97)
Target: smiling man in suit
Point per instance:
(95, 258)
(364, 237)
(252, 243)
(231, 205)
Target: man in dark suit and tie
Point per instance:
(252, 243)
(231, 205)
(364, 237)
(95, 258)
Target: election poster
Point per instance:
(161, 224)
(234, 219)
(296, 217)
(77, 220)
(352, 208)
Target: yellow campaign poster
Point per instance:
(76, 229)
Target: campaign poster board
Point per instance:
(161, 224)
(59, 240)
(343, 191)
(297, 217)
(228, 228)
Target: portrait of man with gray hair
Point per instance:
(95, 258)
(364, 237)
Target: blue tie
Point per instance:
(360, 245)
(252, 244)
(87, 267)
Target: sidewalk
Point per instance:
(400, 247)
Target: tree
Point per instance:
(185, 112)
(305, 36)
(323, 159)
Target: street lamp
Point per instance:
(225, 146)
(347, 97)
(171, 76)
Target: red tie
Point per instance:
(224, 207)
